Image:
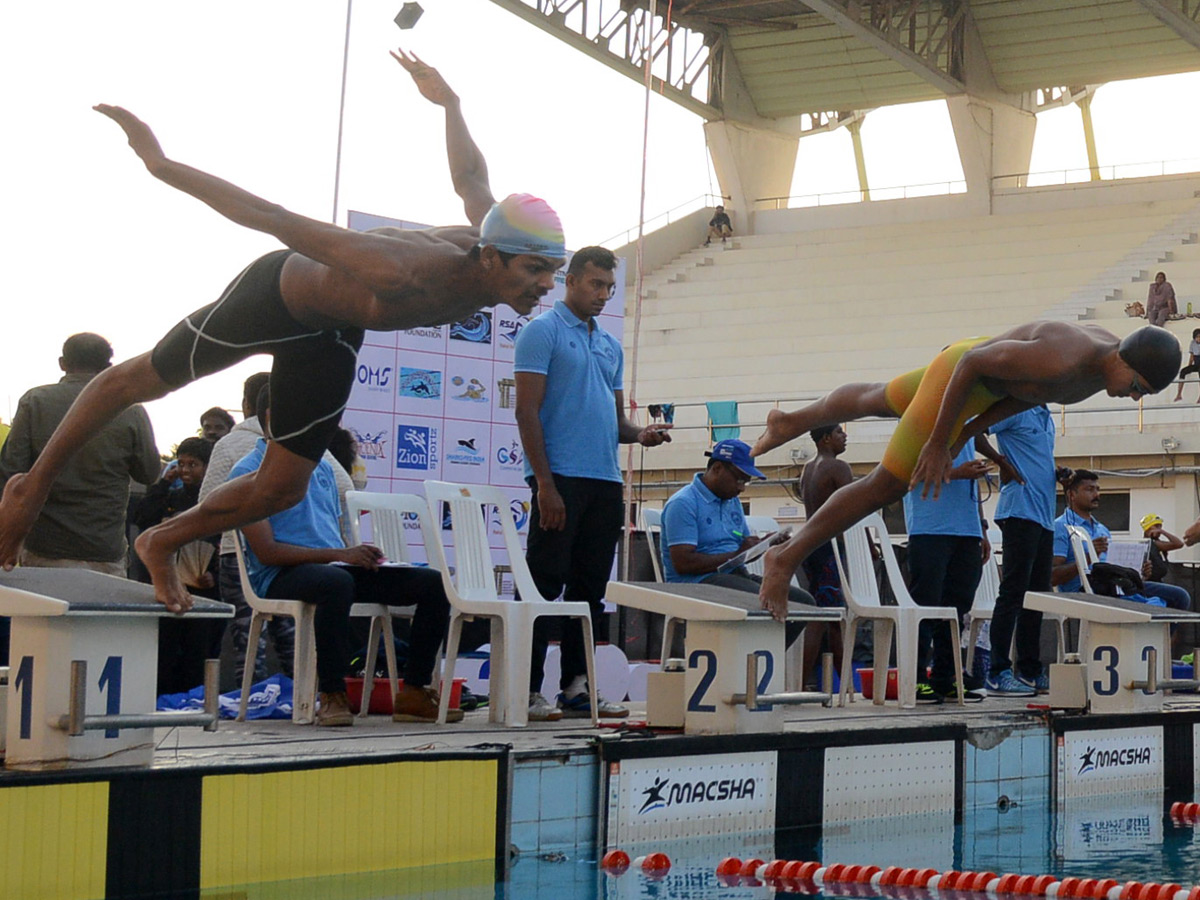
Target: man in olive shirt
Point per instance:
(82, 525)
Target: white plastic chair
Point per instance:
(304, 665)
(984, 605)
(861, 591)
(472, 592)
(387, 513)
(1084, 553)
(651, 522)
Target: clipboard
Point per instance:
(748, 556)
(1132, 554)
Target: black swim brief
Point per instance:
(313, 370)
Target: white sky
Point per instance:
(249, 90)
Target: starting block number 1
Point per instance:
(109, 684)
(708, 658)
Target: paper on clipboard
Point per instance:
(748, 556)
(1131, 554)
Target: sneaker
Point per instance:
(414, 704)
(950, 692)
(926, 695)
(540, 709)
(333, 710)
(1006, 684)
(578, 706)
(469, 701)
(1040, 683)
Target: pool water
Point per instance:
(1123, 837)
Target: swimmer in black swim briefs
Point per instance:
(308, 306)
(313, 370)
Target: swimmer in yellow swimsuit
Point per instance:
(968, 386)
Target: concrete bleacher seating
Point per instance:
(789, 315)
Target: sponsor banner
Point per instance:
(374, 380)
(473, 336)
(418, 448)
(1112, 761)
(507, 459)
(689, 796)
(508, 324)
(376, 443)
(420, 384)
(426, 338)
(504, 402)
(469, 389)
(519, 508)
(466, 448)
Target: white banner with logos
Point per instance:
(437, 402)
(691, 796)
(1111, 761)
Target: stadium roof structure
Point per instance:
(795, 58)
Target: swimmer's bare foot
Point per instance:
(773, 592)
(779, 431)
(18, 511)
(159, 560)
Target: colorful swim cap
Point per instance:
(522, 223)
(1153, 353)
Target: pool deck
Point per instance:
(279, 741)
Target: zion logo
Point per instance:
(416, 447)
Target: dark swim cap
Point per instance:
(1153, 353)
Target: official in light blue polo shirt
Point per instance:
(584, 369)
(704, 527)
(1062, 542)
(954, 513)
(1025, 516)
(570, 415)
(697, 516)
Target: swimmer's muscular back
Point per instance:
(1043, 362)
(415, 278)
(821, 478)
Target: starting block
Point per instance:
(1125, 647)
(734, 658)
(83, 666)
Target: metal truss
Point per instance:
(1181, 16)
(684, 61)
(1061, 95)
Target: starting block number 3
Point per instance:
(109, 684)
(708, 659)
(1109, 660)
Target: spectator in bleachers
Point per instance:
(947, 547)
(82, 524)
(1083, 497)
(1193, 364)
(969, 385)
(215, 423)
(1025, 515)
(719, 226)
(1160, 301)
(703, 527)
(820, 479)
(290, 556)
(184, 645)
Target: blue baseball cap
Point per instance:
(736, 453)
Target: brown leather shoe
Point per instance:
(414, 704)
(333, 710)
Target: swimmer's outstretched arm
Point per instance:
(468, 168)
(380, 263)
(997, 412)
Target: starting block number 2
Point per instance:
(708, 659)
(1109, 659)
(109, 684)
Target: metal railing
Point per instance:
(663, 219)
(1083, 174)
(857, 195)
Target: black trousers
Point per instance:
(944, 571)
(575, 562)
(333, 589)
(1028, 560)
